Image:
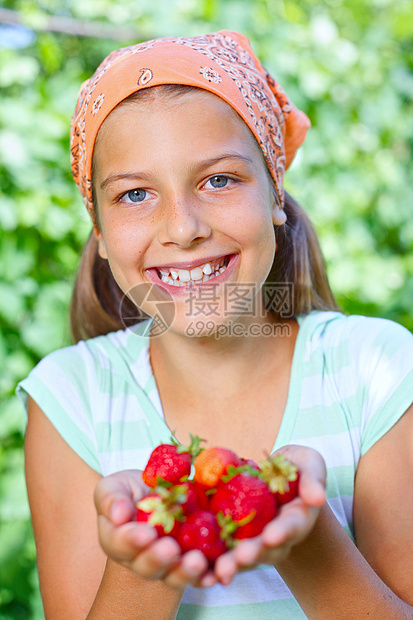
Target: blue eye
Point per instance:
(136, 195)
(218, 181)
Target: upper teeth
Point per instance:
(202, 272)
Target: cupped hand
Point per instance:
(136, 545)
(292, 524)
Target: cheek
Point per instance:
(121, 241)
(259, 230)
(125, 251)
(256, 226)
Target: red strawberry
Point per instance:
(248, 502)
(281, 476)
(196, 499)
(212, 463)
(201, 531)
(171, 462)
(251, 463)
(163, 509)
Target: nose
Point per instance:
(183, 223)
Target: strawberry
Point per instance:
(170, 462)
(281, 476)
(212, 463)
(195, 497)
(162, 509)
(230, 498)
(246, 503)
(250, 462)
(201, 531)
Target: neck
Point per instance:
(205, 368)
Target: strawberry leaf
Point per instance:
(149, 504)
(194, 447)
(241, 469)
(229, 526)
(172, 494)
(278, 471)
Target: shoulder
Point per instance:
(95, 393)
(366, 363)
(114, 352)
(86, 375)
(367, 358)
(333, 332)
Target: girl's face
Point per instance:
(182, 190)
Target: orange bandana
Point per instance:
(222, 63)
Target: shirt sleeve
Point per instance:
(383, 355)
(59, 385)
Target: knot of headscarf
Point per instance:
(222, 63)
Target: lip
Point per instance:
(190, 265)
(183, 290)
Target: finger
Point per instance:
(313, 473)
(156, 560)
(248, 551)
(122, 510)
(116, 495)
(311, 490)
(292, 525)
(226, 568)
(123, 543)
(188, 571)
(251, 552)
(207, 580)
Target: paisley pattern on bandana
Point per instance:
(222, 63)
(145, 77)
(210, 75)
(98, 104)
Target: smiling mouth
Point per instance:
(200, 274)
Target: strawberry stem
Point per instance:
(278, 471)
(229, 526)
(241, 469)
(194, 447)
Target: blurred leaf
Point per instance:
(17, 69)
(11, 303)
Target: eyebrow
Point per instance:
(136, 176)
(215, 160)
(128, 176)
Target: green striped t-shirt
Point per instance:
(351, 380)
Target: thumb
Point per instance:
(115, 497)
(311, 490)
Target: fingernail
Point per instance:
(208, 581)
(193, 571)
(225, 581)
(247, 553)
(144, 535)
(114, 511)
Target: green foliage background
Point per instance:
(347, 63)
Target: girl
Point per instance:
(179, 147)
